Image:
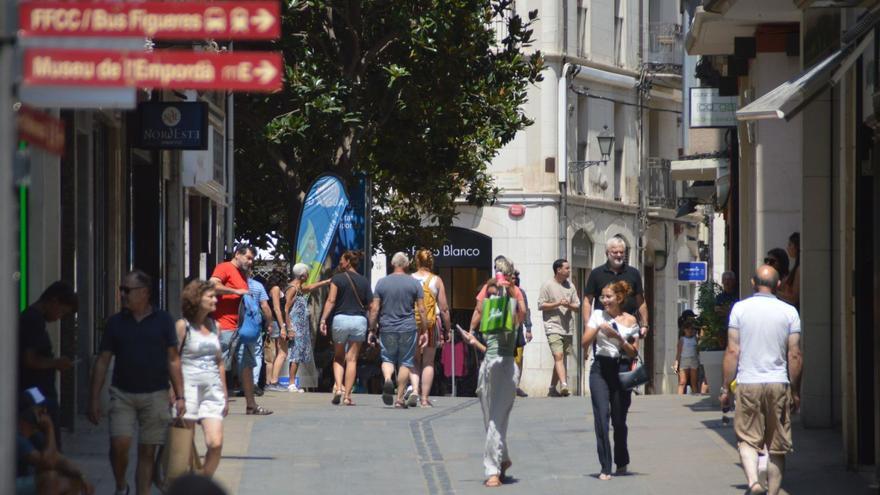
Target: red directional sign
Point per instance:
(240, 71)
(251, 20)
(41, 129)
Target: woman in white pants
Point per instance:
(497, 379)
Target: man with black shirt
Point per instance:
(613, 270)
(37, 363)
(144, 341)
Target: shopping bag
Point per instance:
(179, 455)
(497, 315)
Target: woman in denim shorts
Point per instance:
(348, 301)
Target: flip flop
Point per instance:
(400, 404)
(337, 396)
(388, 393)
(347, 401)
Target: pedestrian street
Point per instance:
(677, 446)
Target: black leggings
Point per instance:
(610, 401)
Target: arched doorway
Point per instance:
(581, 263)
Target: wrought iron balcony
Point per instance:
(661, 186)
(665, 47)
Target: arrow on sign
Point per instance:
(266, 72)
(263, 20)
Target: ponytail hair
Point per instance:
(425, 259)
(621, 290)
(353, 257)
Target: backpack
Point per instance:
(429, 301)
(250, 319)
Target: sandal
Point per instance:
(347, 401)
(492, 482)
(337, 396)
(426, 403)
(257, 411)
(756, 488)
(399, 404)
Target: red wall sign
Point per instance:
(241, 71)
(40, 129)
(516, 210)
(250, 20)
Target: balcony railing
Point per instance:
(665, 46)
(661, 187)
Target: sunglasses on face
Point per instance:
(125, 290)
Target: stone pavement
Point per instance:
(677, 446)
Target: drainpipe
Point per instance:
(230, 171)
(562, 157)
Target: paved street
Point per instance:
(308, 446)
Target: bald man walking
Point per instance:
(764, 356)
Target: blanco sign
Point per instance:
(707, 109)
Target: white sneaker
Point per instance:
(294, 389)
(563, 390)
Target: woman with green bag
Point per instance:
(500, 308)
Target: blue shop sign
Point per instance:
(172, 125)
(692, 271)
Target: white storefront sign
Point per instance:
(710, 110)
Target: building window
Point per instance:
(582, 32)
(619, 5)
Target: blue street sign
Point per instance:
(692, 271)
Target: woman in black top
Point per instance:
(348, 301)
(276, 283)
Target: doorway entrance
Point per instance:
(581, 264)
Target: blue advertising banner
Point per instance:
(322, 213)
(692, 271)
(172, 125)
(351, 235)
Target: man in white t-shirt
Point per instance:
(764, 356)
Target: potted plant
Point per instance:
(712, 322)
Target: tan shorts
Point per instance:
(559, 344)
(145, 414)
(763, 416)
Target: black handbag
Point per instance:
(632, 379)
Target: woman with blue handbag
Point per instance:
(613, 335)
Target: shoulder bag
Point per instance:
(636, 376)
(355, 290)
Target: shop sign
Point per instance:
(237, 71)
(692, 271)
(463, 248)
(252, 20)
(41, 130)
(707, 109)
(172, 125)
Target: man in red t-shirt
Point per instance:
(230, 283)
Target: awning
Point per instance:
(699, 169)
(787, 99)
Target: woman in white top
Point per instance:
(425, 358)
(613, 336)
(687, 357)
(204, 383)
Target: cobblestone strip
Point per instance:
(430, 458)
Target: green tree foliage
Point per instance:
(419, 95)
(711, 323)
